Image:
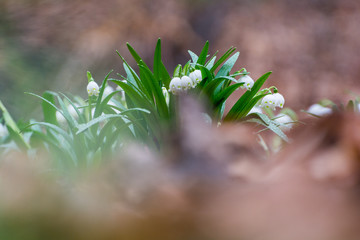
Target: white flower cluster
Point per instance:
(181, 85)
(272, 101)
(248, 82)
(93, 88)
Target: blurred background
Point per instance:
(312, 46)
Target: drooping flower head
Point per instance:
(268, 102)
(93, 88)
(175, 85)
(196, 77)
(186, 83)
(248, 82)
(279, 100)
(319, 110)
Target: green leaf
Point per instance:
(241, 104)
(13, 129)
(98, 108)
(157, 91)
(159, 69)
(193, 56)
(228, 65)
(204, 52)
(177, 71)
(48, 110)
(222, 59)
(211, 63)
(225, 94)
(270, 124)
(136, 55)
(53, 127)
(85, 126)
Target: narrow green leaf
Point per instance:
(204, 52)
(193, 56)
(48, 111)
(228, 65)
(85, 126)
(157, 91)
(222, 59)
(136, 55)
(98, 109)
(225, 94)
(246, 98)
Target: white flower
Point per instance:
(92, 88)
(107, 91)
(255, 109)
(268, 102)
(319, 110)
(248, 82)
(285, 121)
(196, 77)
(3, 130)
(186, 83)
(279, 100)
(61, 119)
(166, 95)
(122, 92)
(175, 85)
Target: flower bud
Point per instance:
(248, 82)
(166, 95)
(93, 88)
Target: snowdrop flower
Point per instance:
(93, 88)
(248, 82)
(279, 100)
(285, 121)
(255, 109)
(186, 83)
(179, 85)
(196, 77)
(319, 110)
(107, 91)
(166, 95)
(175, 85)
(268, 102)
(61, 119)
(3, 130)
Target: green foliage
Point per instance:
(80, 132)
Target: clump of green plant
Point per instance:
(144, 107)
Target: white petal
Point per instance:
(319, 110)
